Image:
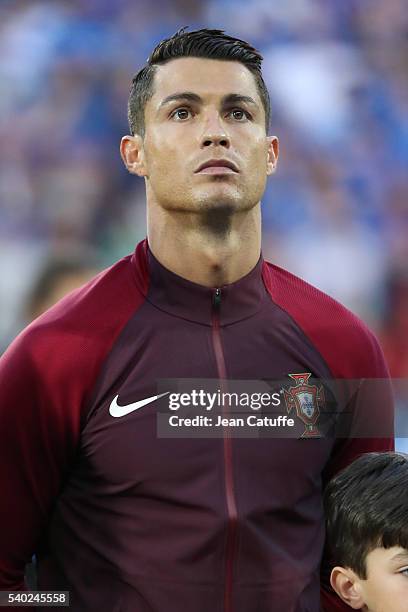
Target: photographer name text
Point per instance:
(222, 421)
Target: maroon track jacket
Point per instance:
(131, 522)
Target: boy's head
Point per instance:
(367, 532)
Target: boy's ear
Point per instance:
(132, 153)
(346, 583)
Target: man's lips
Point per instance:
(216, 170)
(217, 166)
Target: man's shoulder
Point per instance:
(98, 300)
(81, 327)
(348, 345)
(292, 292)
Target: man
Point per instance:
(122, 517)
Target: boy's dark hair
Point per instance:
(366, 507)
(210, 44)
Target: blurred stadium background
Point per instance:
(336, 212)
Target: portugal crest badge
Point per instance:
(306, 400)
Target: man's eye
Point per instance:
(181, 114)
(404, 572)
(239, 115)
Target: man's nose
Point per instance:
(215, 133)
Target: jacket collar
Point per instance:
(188, 300)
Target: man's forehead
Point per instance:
(205, 77)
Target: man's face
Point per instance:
(386, 587)
(206, 111)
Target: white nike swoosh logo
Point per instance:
(118, 411)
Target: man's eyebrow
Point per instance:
(180, 96)
(189, 96)
(238, 99)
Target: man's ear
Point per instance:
(273, 154)
(346, 583)
(132, 153)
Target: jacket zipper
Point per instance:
(228, 468)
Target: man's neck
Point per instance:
(210, 249)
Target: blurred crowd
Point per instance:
(335, 213)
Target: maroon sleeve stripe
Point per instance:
(351, 351)
(46, 380)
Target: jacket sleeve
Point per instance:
(47, 377)
(351, 353)
(38, 437)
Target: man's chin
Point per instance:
(222, 200)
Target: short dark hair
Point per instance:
(210, 44)
(366, 507)
(54, 271)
